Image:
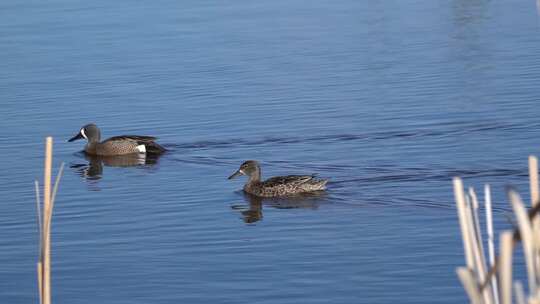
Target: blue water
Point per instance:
(388, 99)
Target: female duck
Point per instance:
(279, 185)
(118, 145)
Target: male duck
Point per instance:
(279, 185)
(118, 145)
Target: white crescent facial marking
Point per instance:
(242, 171)
(141, 148)
(82, 133)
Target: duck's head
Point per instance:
(249, 168)
(89, 132)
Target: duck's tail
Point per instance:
(154, 148)
(315, 185)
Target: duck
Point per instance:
(277, 186)
(117, 145)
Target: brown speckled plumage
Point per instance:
(277, 186)
(117, 145)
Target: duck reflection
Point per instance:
(93, 169)
(252, 211)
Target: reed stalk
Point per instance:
(520, 293)
(527, 239)
(491, 239)
(44, 215)
(480, 260)
(40, 250)
(535, 200)
(46, 257)
(469, 283)
(505, 271)
(462, 214)
(533, 180)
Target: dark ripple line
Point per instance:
(403, 202)
(203, 160)
(420, 175)
(381, 135)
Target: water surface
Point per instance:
(388, 99)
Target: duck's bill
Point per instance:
(235, 174)
(74, 138)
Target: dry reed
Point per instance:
(491, 282)
(44, 215)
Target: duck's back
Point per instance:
(286, 185)
(128, 144)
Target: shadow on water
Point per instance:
(92, 170)
(252, 210)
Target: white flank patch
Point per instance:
(141, 148)
(82, 133)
